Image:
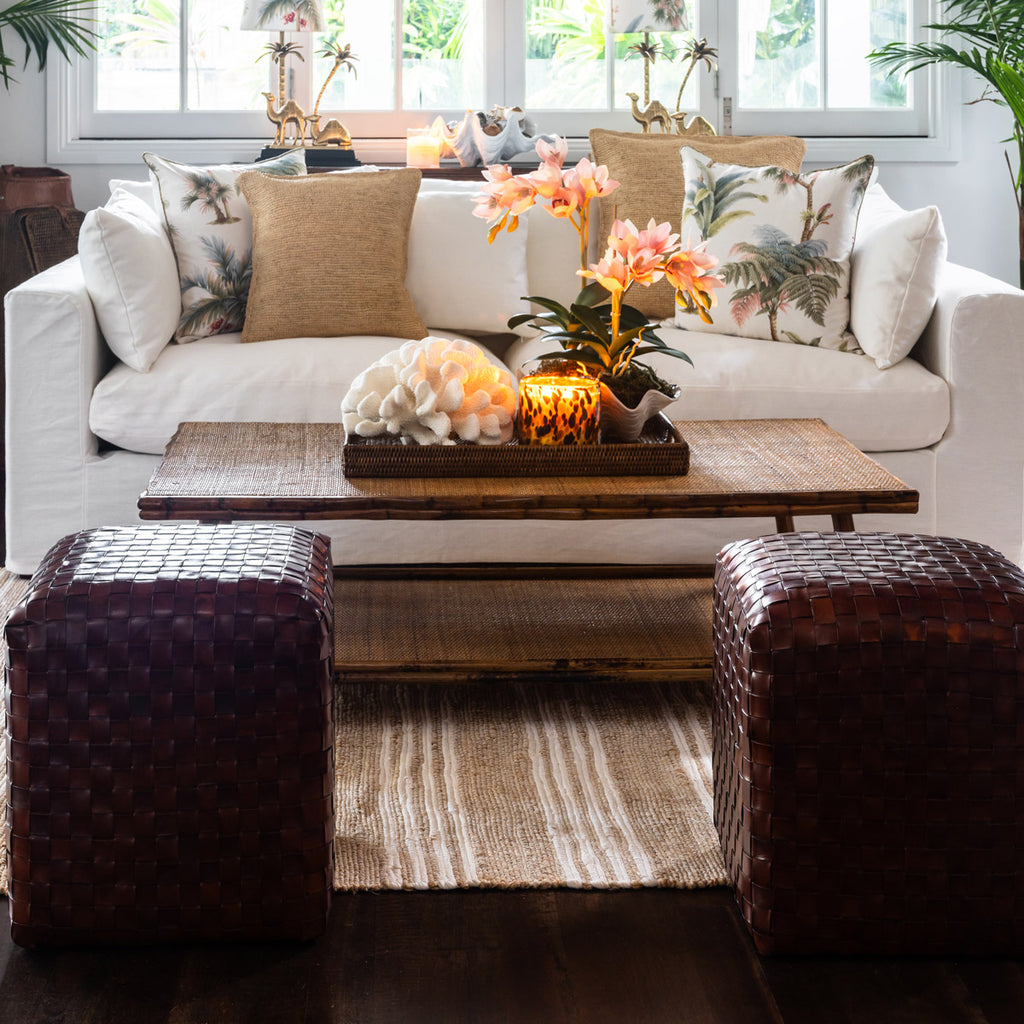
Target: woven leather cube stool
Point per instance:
(170, 737)
(868, 742)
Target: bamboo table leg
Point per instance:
(843, 522)
(784, 524)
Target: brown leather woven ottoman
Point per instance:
(170, 737)
(869, 743)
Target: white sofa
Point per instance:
(84, 431)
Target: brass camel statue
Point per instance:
(332, 133)
(289, 112)
(697, 126)
(654, 113)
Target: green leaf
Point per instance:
(592, 320)
(593, 294)
(556, 307)
(674, 352)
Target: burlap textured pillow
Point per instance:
(329, 255)
(651, 184)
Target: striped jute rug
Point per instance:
(447, 787)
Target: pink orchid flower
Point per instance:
(589, 181)
(624, 238)
(688, 272)
(611, 272)
(553, 153)
(659, 238)
(547, 180)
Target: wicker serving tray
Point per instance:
(660, 451)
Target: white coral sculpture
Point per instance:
(433, 391)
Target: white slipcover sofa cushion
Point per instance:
(899, 409)
(292, 380)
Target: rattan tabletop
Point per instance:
(777, 468)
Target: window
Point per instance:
(182, 69)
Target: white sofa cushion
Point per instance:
(894, 281)
(128, 266)
(456, 279)
(899, 409)
(293, 380)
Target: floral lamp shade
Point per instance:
(647, 16)
(283, 15)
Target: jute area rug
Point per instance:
(514, 786)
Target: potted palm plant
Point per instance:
(990, 34)
(66, 24)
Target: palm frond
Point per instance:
(66, 24)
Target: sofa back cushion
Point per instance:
(651, 183)
(330, 255)
(129, 270)
(897, 261)
(457, 281)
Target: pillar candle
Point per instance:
(422, 149)
(559, 410)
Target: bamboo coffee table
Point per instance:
(526, 622)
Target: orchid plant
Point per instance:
(598, 331)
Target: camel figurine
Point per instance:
(654, 113)
(332, 133)
(698, 126)
(289, 111)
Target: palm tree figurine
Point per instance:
(649, 51)
(343, 58)
(279, 51)
(695, 51)
(38, 23)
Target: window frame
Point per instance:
(77, 134)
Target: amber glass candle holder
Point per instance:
(555, 409)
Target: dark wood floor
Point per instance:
(643, 956)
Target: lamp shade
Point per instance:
(283, 15)
(647, 16)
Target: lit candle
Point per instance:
(422, 149)
(559, 410)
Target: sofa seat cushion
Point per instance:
(290, 380)
(900, 409)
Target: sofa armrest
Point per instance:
(975, 342)
(54, 356)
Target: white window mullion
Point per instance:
(398, 103)
(709, 27)
(183, 96)
(506, 50)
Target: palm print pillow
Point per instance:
(783, 242)
(210, 228)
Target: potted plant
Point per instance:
(994, 33)
(599, 331)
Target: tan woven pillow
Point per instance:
(329, 257)
(650, 175)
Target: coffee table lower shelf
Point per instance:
(522, 630)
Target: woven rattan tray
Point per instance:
(660, 451)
